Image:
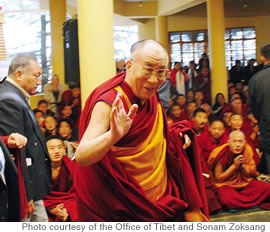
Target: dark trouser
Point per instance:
(264, 166)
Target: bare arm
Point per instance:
(222, 175)
(108, 125)
(248, 168)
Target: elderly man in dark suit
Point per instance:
(16, 116)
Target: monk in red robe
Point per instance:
(181, 100)
(203, 84)
(214, 137)
(60, 202)
(175, 114)
(208, 141)
(131, 167)
(178, 79)
(234, 170)
(238, 123)
(199, 122)
(237, 107)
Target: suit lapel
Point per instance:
(22, 100)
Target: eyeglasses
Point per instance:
(149, 71)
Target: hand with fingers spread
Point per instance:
(120, 121)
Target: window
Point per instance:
(124, 37)
(240, 44)
(34, 37)
(187, 46)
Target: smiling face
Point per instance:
(150, 55)
(67, 111)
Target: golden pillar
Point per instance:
(58, 17)
(162, 30)
(216, 30)
(96, 51)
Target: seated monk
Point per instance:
(131, 166)
(238, 123)
(191, 107)
(234, 170)
(213, 137)
(60, 203)
(181, 100)
(199, 122)
(208, 141)
(174, 114)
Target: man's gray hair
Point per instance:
(20, 62)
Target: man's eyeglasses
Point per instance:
(149, 71)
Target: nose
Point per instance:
(39, 81)
(153, 78)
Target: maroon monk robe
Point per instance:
(246, 129)
(107, 192)
(63, 191)
(253, 194)
(228, 107)
(191, 124)
(172, 76)
(207, 145)
(22, 194)
(205, 88)
(67, 99)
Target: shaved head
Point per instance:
(143, 45)
(237, 142)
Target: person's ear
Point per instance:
(128, 65)
(18, 76)
(263, 59)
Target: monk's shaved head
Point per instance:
(236, 133)
(145, 45)
(237, 142)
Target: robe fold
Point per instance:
(207, 145)
(22, 194)
(107, 191)
(63, 192)
(239, 191)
